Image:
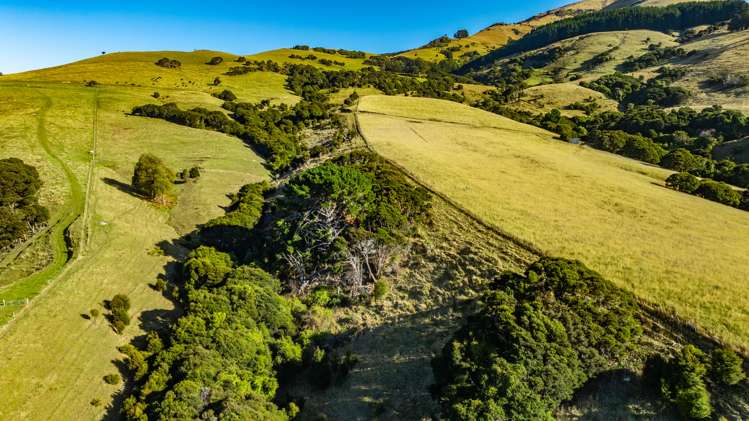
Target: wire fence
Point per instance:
(13, 303)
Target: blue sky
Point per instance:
(38, 34)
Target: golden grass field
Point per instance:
(194, 77)
(52, 359)
(672, 249)
(544, 98)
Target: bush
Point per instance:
(216, 81)
(160, 285)
(215, 60)
(726, 367)
(94, 313)
(680, 160)
(683, 182)
(719, 192)
(461, 33)
(351, 100)
(112, 379)
(226, 95)
(537, 338)
(194, 172)
(680, 381)
(168, 63)
(119, 306)
(156, 95)
(381, 289)
(152, 178)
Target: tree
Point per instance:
(215, 60)
(679, 160)
(152, 178)
(461, 33)
(20, 212)
(683, 182)
(719, 192)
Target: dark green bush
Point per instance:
(536, 339)
(168, 63)
(112, 379)
(680, 381)
(215, 60)
(226, 95)
(726, 367)
(683, 182)
(719, 192)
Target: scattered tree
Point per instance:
(152, 178)
(461, 33)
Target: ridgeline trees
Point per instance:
(152, 178)
(461, 33)
(20, 212)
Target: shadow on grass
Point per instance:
(119, 185)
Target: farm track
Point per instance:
(59, 231)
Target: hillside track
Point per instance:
(61, 241)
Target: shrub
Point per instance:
(351, 100)
(726, 367)
(226, 95)
(94, 313)
(112, 379)
(537, 338)
(156, 95)
(680, 381)
(160, 285)
(168, 63)
(194, 172)
(215, 60)
(118, 308)
(683, 182)
(381, 289)
(679, 160)
(719, 192)
(152, 178)
(216, 81)
(95, 402)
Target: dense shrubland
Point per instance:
(664, 19)
(630, 90)
(239, 339)
(20, 212)
(537, 338)
(656, 55)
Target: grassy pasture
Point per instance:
(614, 214)
(137, 69)
(53, 359)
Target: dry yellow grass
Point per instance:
(544, 98)
(723, 54)
(612, 213)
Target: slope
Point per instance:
(610, 212)
(53, 358)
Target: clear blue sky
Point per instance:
(38, 33)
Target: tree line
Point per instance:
(20, 212)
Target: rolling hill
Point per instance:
(572, 201)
